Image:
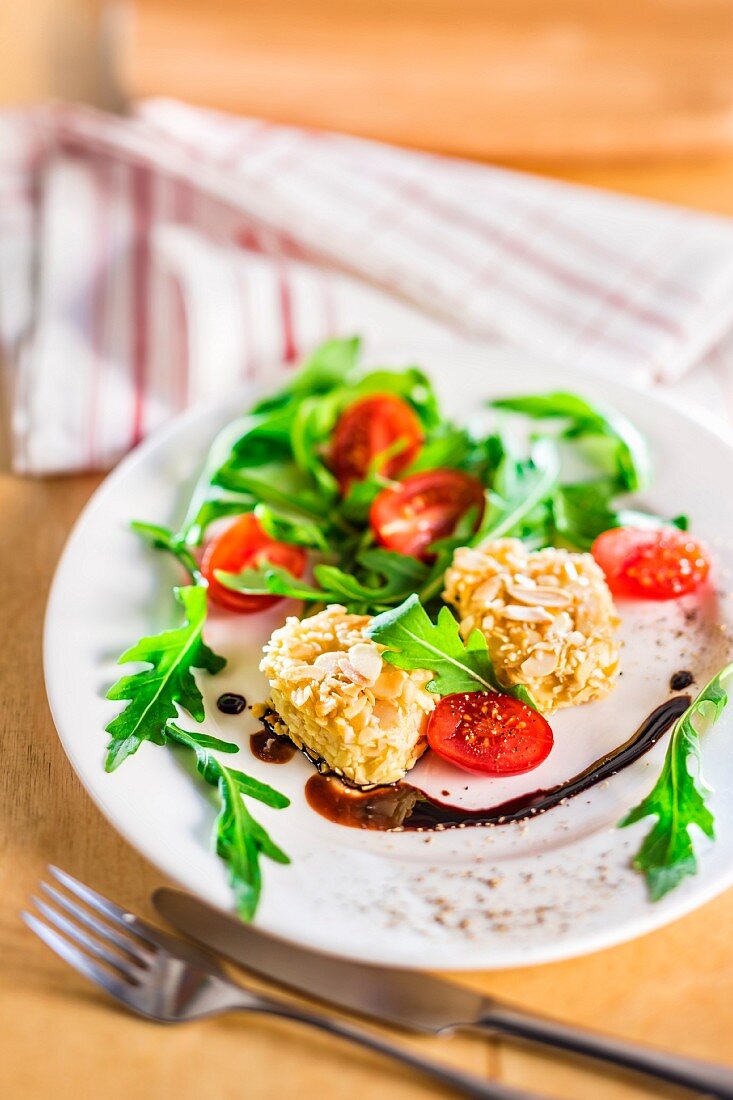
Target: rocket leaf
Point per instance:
(618, 442)
(414, 642)
(678, 798)
(395, 576)
(240, 840)
(154, 694)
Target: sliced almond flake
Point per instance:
(523, 614)
(568, 599)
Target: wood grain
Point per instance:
(52, 48)
(60, 1037)
(496, 79)
(91, 1049)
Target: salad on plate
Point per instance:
(446, 588)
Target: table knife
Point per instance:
(418, 1002)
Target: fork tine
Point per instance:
(132, 947)
(125, 967)
(103, 905)
(81, 962)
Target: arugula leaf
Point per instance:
(446, 446)
(217, 507)
(397, 577)
(519, 489)
(626, 448)
(313, 424)
(271, 579)
(276, 455)
(399, 571)
(291, 528)
(678, 798)
(316, 416)
(414, 642)
(443, 549)
(360, 495)
(358, 500)
(410, 383)
(207, 500)
(328, 366)
(240, 840)
(154, 695)
(583, 510)
(262, 436)
(281, 484)
(162, 538)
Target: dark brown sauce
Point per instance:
(231, 703)
(271, 748)
(402, 806)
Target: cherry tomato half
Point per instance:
(652, 564)
(483, 731)
(244, 545)
(368, 428)
(411, 515)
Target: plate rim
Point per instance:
(676, 906)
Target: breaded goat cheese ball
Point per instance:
(337, 697)
(547, 616)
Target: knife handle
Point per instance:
(701, 1077)
(465, 1084)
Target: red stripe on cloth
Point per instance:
(182, 364)
(98, 303)
(564, 317)
(183, 210)
(563, 231)
(388, 215)
(290, 351)
(513, 244)
(141, 197)
(516, 245)
(245, 237)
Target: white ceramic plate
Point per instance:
(518, 894)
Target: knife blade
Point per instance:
(418, 1002)
(404, 998)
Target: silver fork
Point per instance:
(164, 978)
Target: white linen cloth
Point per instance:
(151, 262)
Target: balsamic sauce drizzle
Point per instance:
(270, 747)
(403, 806)
(231, 703)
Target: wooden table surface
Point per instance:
(509, 79)
(61, 1038)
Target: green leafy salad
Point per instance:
(349, 487)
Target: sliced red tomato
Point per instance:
(652, 564)
(483, 731)
(411, 515)
(367, 429)
(244, 545)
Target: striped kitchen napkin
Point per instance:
(151, 262)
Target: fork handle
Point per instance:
(701, 1077)
(464, 1083)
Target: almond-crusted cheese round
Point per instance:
(340, 700)
(547, 615)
